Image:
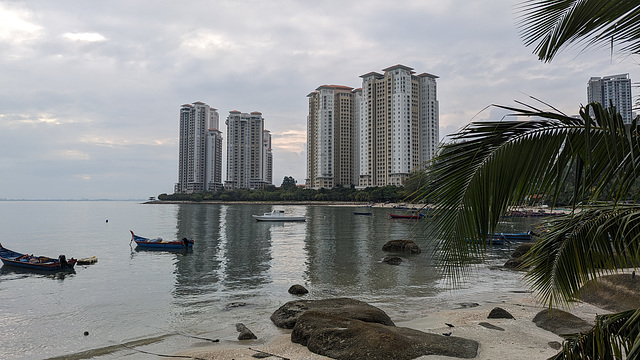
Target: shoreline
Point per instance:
(520, 339)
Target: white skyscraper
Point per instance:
(614, 89)
(246, 151)
(200, 153)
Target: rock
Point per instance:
(490, 326)
(561, 322)
(499, 313)
(469, 304)
(234, 305)
(342, 338)
(245, 333)
(392, 260)
(513, 264)
(617, 292)
(287, 315)
(407, 246)
(521, 250)
(555, 345)
(298, 290)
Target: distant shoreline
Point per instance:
(326, 203)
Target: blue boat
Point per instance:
(159, 244)
(522, 236)
(12, 258)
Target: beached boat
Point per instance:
(12, 258)
(159, 244)
(414, 215)
(278, 215)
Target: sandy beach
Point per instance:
(521, 338)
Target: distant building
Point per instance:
(614, 89)
(399, 121)
(268, 158)
(331, 150)
(200, 149)
(375, 135)
(249, 160)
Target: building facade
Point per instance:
(249, 160)
(200, 149)
(612, 90)
(331, 125)
(375, 135)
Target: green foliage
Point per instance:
(294, 193)
(288, 183)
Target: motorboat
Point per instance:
(278, 215)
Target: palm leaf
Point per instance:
(554, 24)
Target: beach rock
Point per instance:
(490, 326)
(407, 246)
(561, 322)
(298, 290)
(521, 250)
(234, 305)
(342, 338)
(245, 333)
(287, 315)
(514, 264)
(469, 304)
(499, 313)
(392, 260)
(555, 345)
(618, 292)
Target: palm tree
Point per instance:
(490, 166)
(554, 24)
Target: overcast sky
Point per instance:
(91, 90)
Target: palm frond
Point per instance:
(554, 24)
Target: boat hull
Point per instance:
(278, 218)
(43, 263)
(412, 216)
(146, 243)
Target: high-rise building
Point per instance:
(399, 120)
(375, 135)
(200, 153)
(612, 90)
(268, 158)
(246, 151)
(331, 137)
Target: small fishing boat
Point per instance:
(159, 244)
(12, 258)
(522, 236)
(277, 215)
(365, 210)
(414, 215)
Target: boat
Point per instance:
(159, 244)
(522, 236)
(277, 215)
(414, 215)
(365, 210)
(12, 258)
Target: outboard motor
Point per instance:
(63, 261)
(185, 242)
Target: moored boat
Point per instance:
(414, 215)
(365, 210)
(159, 244)
(278, 215)
(12, 258)
(522, 236)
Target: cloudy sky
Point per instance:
(90, 91)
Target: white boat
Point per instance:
(277, 215)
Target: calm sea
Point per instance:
(238, 271)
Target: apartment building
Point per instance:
(331, 135)
(249, 161)
(200, 149)
(612, 90)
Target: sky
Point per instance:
(90, 91)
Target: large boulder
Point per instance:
(343, 338)
(407, 246)
(618, 292)
(287, 315)
(561, 322)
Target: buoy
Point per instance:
(86, 333)
(107, 220)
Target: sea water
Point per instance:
(239, 270)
